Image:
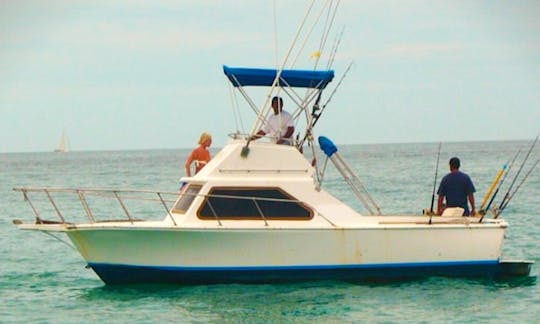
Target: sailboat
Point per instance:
(63, 145)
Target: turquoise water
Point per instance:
(43, 280)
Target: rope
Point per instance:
(59, 239)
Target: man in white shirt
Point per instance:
(280, 125)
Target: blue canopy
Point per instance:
(288, 78)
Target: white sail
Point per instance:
(63, 146)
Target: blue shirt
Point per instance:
(456, 186)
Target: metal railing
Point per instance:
(120, 195)
(142, 195)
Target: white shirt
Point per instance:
(277, 126)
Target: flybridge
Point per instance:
(313, 79)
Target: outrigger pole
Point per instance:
(507, 196)
(434, 183)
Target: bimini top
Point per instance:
(288, 78)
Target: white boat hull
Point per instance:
(266, 255)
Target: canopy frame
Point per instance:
(284, 80)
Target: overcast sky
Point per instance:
(148, 74)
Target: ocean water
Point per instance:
(43, 280)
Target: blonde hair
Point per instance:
(204, 137)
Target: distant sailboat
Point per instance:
(63, 146)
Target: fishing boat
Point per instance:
(258, 212)
(63, 145)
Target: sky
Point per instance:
(126, 75)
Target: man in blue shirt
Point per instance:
(457, 187)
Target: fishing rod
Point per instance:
(435, 183)
(329, 22)
(506, 196)
(492, 187)
(517, 188)
(510, 164)
(323, 38)
(334, 49)
(314, 115)
(245, 150)
(317, 107)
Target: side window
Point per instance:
(186, 198)
(252, 203)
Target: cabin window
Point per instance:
(186, 198)
(250, 203)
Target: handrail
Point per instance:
(54, 205)
(123, 206)
(166, 207)
(85, 206)
(214, 213)
(53, 189)
(116, 194)
(260, 211)
(105, 193)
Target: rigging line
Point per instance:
(519, 185)
(503, 202)
(59, 239)
(308, 35)
(266, 105)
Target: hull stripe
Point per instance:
(124, 274)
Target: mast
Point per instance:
(63, 146)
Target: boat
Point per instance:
(63, 145)
(258, 212)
